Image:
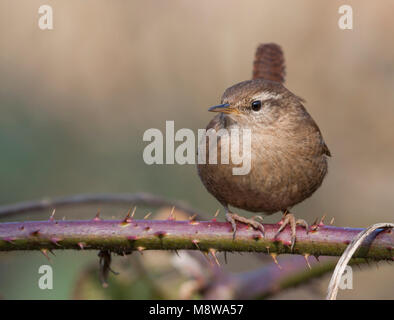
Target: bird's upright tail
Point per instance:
(269, 63)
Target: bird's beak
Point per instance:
(225, 108)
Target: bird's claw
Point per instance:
(232, 218)
(289, 219)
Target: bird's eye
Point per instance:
(256, 105)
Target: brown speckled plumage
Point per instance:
(288, 151)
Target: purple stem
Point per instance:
(125, 236)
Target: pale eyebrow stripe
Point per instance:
(267, 96)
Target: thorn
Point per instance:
(193, 221)
(147, 215)
(55, 241)
(332, 221)
(288, 243)
(314, 225)
(257, 236)
(132, 214)
(160, 234)
(172, 216)
(45, 253)
(81, 245)
(97, 217)
(35, 233)
(177, 253)
(127, 219)
(9, 239)
(225, 257)
(321, 223)
(140, 249)
(306, 256)
(215, 215)
(193, 217)
(268, 249)
(51, 218)
(317, 258)
(274, 255)
(213, 253)
(195, 242)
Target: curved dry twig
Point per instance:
(347, 255)
(140, 199)
(268, 280)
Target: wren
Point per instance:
(288, 152)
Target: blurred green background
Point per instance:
(75, 102)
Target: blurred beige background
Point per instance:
(75, 101)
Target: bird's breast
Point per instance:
(284, 168)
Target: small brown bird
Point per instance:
(288, 153)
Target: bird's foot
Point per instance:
(232, 218)
(289, 219)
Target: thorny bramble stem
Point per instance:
(125, 236)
